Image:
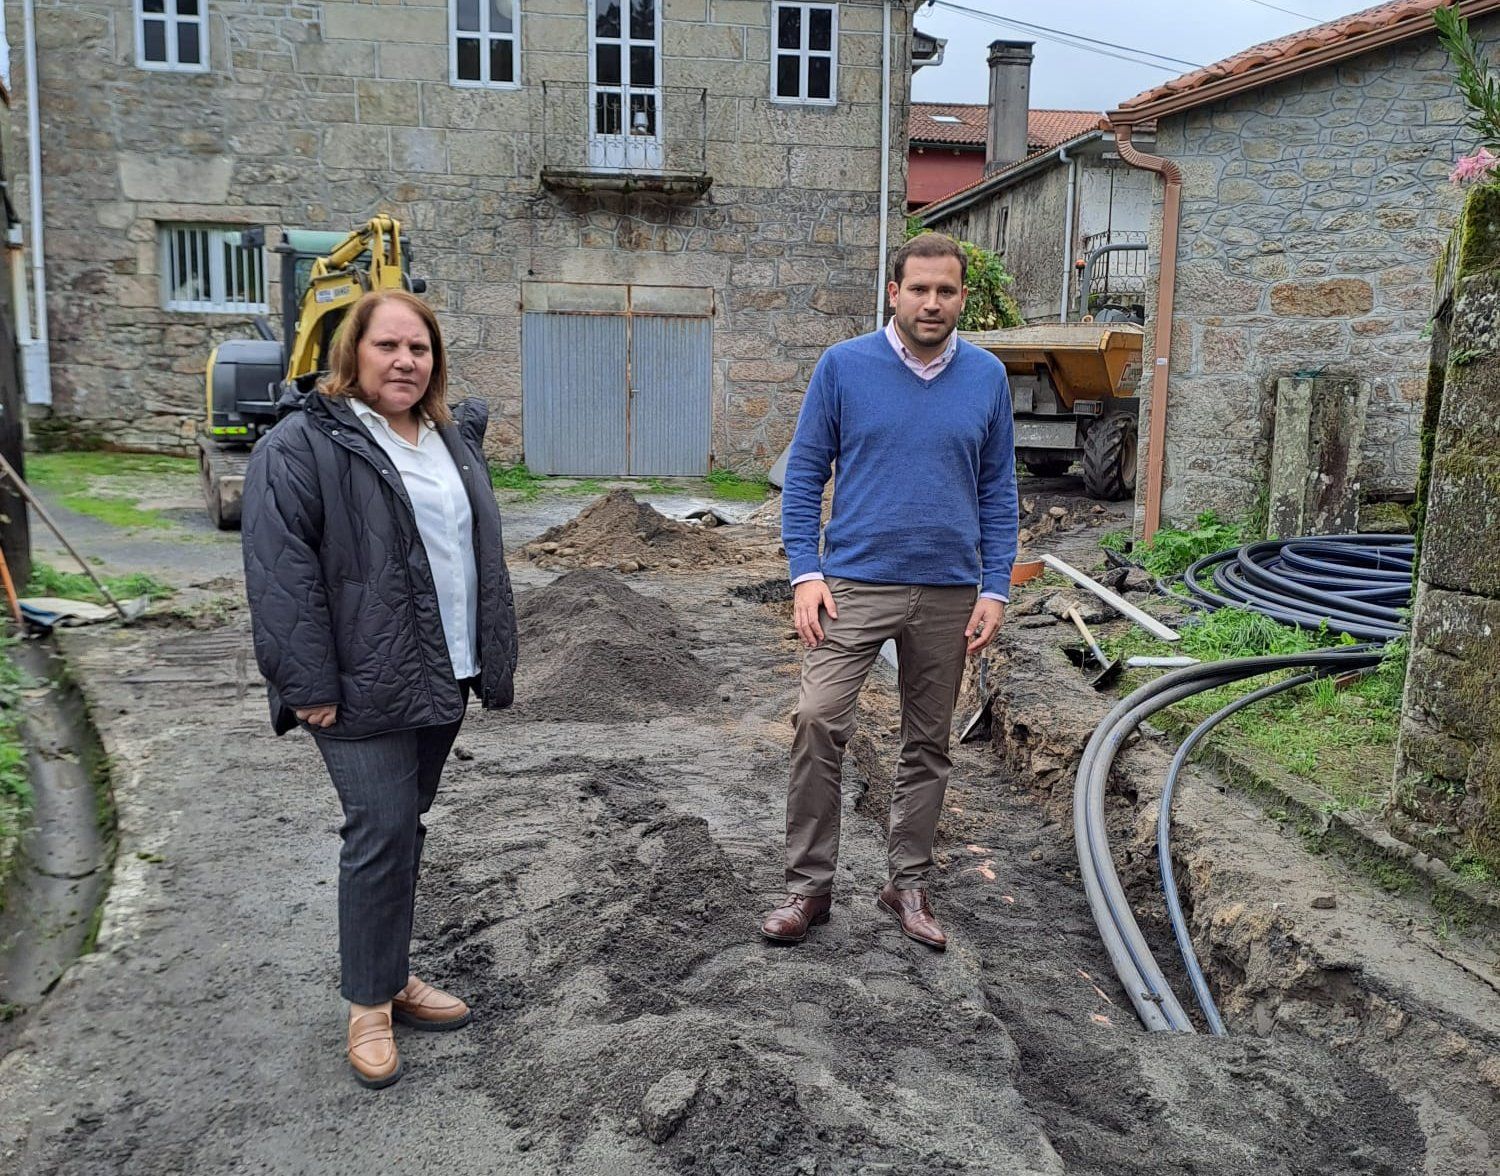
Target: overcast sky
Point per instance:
(1065, 77)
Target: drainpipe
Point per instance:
(1067, 266)
(1165, 288)
(885, 157)
(38, 368)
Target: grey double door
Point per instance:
(617, 380)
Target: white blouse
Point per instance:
(446, 524)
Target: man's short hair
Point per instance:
(930, 244)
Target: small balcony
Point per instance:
(625, 139)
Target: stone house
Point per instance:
(947, 143)
(1046, 190)
(640, 224)
(1303, 188)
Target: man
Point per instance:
(918, 423)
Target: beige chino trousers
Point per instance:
(927, 625)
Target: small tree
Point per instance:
(1481, 90)
(990, 304)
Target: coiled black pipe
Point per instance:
(1354, 584)
(1164, 843)
(1138, 971)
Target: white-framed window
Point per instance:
(206, 269)
(484, 42)
(804, 53)
(172, 34)
(625, 90)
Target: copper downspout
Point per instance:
(1166, 285)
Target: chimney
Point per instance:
(1010, 100)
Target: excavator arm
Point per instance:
(336, 283)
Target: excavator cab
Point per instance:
(321, 274)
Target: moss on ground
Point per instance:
(108, 486)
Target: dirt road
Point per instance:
(593, 887)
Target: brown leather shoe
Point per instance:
(789, 922)
(422, 1006)
(912, 912)
(372, 1049)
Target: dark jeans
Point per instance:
(386, 784)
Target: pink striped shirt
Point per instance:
(923, 371)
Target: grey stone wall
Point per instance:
(1312, 214)
(1034, 210)
(317, 115)
(1448, 757)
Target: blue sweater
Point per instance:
(925, 491)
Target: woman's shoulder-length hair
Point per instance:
(343, 368)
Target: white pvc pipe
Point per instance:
(1067, 266)
(38, 366)
(885, 157)
(1115, 601)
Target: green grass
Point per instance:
(15, 783)
(49, 581)
(590, 486)
(520, 481)
(106, 485)
(727, 484)
(1342, 739)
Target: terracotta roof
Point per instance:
(1044, 128)
(924, 127)
(1048, 128)
(1306, 49)
(998, 179)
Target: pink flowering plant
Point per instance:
(1473, 167)
(1481, 90)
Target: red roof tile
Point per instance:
(1007, 171)
(1044, 128)
(1272, 58)
(1048, 128)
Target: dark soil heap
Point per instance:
(594, 650)
(618, 532)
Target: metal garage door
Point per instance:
(617, 379)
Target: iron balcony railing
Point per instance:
(622, 129)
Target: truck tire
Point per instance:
(1048, 467)
(1109, 453)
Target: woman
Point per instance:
(379, 599)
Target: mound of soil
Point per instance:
(594, 650)
(618, 532)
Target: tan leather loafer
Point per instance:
(789, 922)
(422, 1006)
(915, 916)
(372, 1050)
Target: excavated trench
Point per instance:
(639, 1004)
(597, 863)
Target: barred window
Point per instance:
(205, 268)
(804, 54)
(483, 41)
(172, 35)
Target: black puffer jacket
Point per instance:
(342, 603)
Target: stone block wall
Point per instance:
(1448, 762)
(318, 115)
(1313, 212)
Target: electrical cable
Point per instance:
(1075, 40)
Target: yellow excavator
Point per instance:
(322, 275)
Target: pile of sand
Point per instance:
(618, 532)
(594, 650)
